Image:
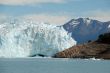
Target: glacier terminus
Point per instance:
(24, 38)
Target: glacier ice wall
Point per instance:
(23, 38)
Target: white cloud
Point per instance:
(52, 19)
(99, 15)
(43, 17)
(25, 2)
(65, 17)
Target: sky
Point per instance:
(56, 11)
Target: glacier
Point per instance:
(26, 38)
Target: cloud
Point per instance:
(52, 19)
(42, 17)
(25, 2)
(99, 15)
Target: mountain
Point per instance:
(27, 38)
(96, 49)
(85, 29)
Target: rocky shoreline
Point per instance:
(99, 49)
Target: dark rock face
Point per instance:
(97, 49)
(40, 55)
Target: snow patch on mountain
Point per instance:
(109, 26)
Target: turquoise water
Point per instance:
(50, 65)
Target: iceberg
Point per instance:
(25, 38)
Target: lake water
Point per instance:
(50, 65)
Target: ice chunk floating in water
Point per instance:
(23, 38)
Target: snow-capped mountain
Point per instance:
(23, 38)
(84, 29)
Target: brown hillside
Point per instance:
(97, 49)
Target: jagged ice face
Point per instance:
(23, 38)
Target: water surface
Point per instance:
(50, 65)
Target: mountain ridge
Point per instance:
(84, 29)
